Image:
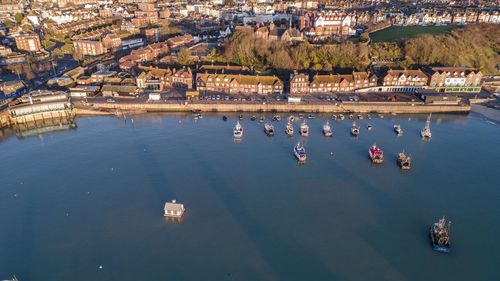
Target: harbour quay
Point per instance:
(361, 107)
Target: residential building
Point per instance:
(151, 34)
(455, 79)
(159, 79)
(111, 41)
(28, 42)
(321, 25)
(88, 47)
(147, 53)
(320, 83)
(11, 7)
(404, 80)
(179, 41)
(239, 84)
(65, 3)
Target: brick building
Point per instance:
(179, 41)
(302, 84)
(159, 79)
(455, 79)
(28, 42)
(88, 47)
(239, 84)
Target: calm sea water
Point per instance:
(93, 196)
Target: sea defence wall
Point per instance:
(284, 107)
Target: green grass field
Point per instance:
(395, 33)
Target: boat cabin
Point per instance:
(174, 209)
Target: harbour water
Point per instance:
(73, 201)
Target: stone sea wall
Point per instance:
(284, 107)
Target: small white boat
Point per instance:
(369, 127)
(291, 118)
(238, 130)
(304, 129)
(398, 130)
(289, 129)
(351, 116)
(341, 116)
(426, 131)
(334, 117)
(327, 130)
(269, 129)
(354, 129)
(300, 152)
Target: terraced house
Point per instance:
(301, 83)
(159, 79)
(404, 80)
(239, 84)
(456, 79)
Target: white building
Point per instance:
(154, 96)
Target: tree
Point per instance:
(19, 18)
(184, 57)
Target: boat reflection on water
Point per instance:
(44, 126)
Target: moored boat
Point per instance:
(269, 129)
(440, 236)
(238, 130)
(291, 118)
(369, 127)
(327, 130)
(376, 154)
(310, 116)
(398, 130)
(304, 129)
(224, 118)
(404, 161)
(300, 152)
(289, 129)
(261, 120)
(240, 117)
(277, 118)
(341, 116)
(354, 129)
(426, 131)
(253, 118)
(334, 117)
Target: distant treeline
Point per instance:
(474, 45)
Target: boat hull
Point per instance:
(377, 160)
(299, 157)
(437, 247)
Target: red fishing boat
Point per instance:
(376, 154)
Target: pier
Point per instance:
(42, 106)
